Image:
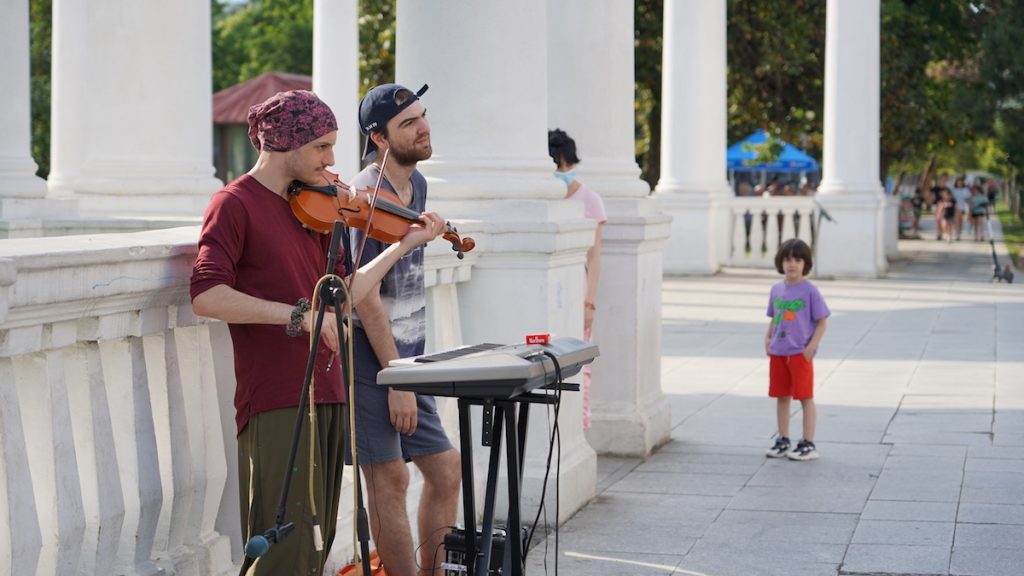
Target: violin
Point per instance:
(319, 207)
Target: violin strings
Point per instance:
(369, 217)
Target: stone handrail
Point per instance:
(757, 225)
(116, 418)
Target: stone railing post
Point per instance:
(121, 467)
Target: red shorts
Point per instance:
(791, 376)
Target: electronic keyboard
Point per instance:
(489, 371)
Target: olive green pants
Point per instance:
(263, 448)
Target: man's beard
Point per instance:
(410, 156)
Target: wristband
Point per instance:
(589, 306)
(294, 327)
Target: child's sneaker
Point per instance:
(780, 449)
(804, 450)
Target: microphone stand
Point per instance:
(330, 294)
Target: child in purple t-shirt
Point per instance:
(798, 314)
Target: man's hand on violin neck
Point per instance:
(431, 225)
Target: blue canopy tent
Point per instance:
(740, 157)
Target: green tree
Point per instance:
(776, 70)
(764, 153)
(40, 34)
(924, 109)
(647, 24)
(1001, 75)
(261, 36)
(376, 43)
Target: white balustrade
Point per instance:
(117, 451)
(758, 225)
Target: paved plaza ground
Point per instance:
(920, 391)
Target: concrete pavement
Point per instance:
(920, 392)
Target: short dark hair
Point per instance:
(794, 248)
(562, 147)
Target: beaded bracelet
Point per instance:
(294, 328)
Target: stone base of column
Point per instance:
(33, 217)
(698, 240)
(21, 183)
(634, 433)
(891, 231)
(137, 195)
(13, 209)
(852, 245)
(629, 413)
(151, 205)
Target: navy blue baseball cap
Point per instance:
(379, 106)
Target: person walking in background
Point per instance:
(562, 149)
(961, 195)
(992, 192)
(946, 211)
(935, 197)
(798, 317)
(916, 207)
(979, 209)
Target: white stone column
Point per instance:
(131, 107)
(336, 75)
(17, 168)
(850, 189)
(590, 75)
(22, 202)
(486, 64)
(693, 187)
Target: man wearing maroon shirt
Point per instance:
(256, 270)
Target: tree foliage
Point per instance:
(261, 36)
(776, 67)
(40, 40)
(952, 80)
(648, 16)
(1001, 56)
(922, 108)
(376, 43)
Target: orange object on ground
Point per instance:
(356, 569)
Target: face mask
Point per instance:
(566, 177)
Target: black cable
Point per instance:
(551, 445)
(416, 551)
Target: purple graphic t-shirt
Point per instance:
(795, 311)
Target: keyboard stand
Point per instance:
(512, 414)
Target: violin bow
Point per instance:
(369, 216)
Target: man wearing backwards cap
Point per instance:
(256, 269)
(393, 426)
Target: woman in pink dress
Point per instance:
(562, 149)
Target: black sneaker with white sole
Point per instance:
(804, 450)
(780, 449)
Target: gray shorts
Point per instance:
(377, 440)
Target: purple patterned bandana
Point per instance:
(289, 120)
